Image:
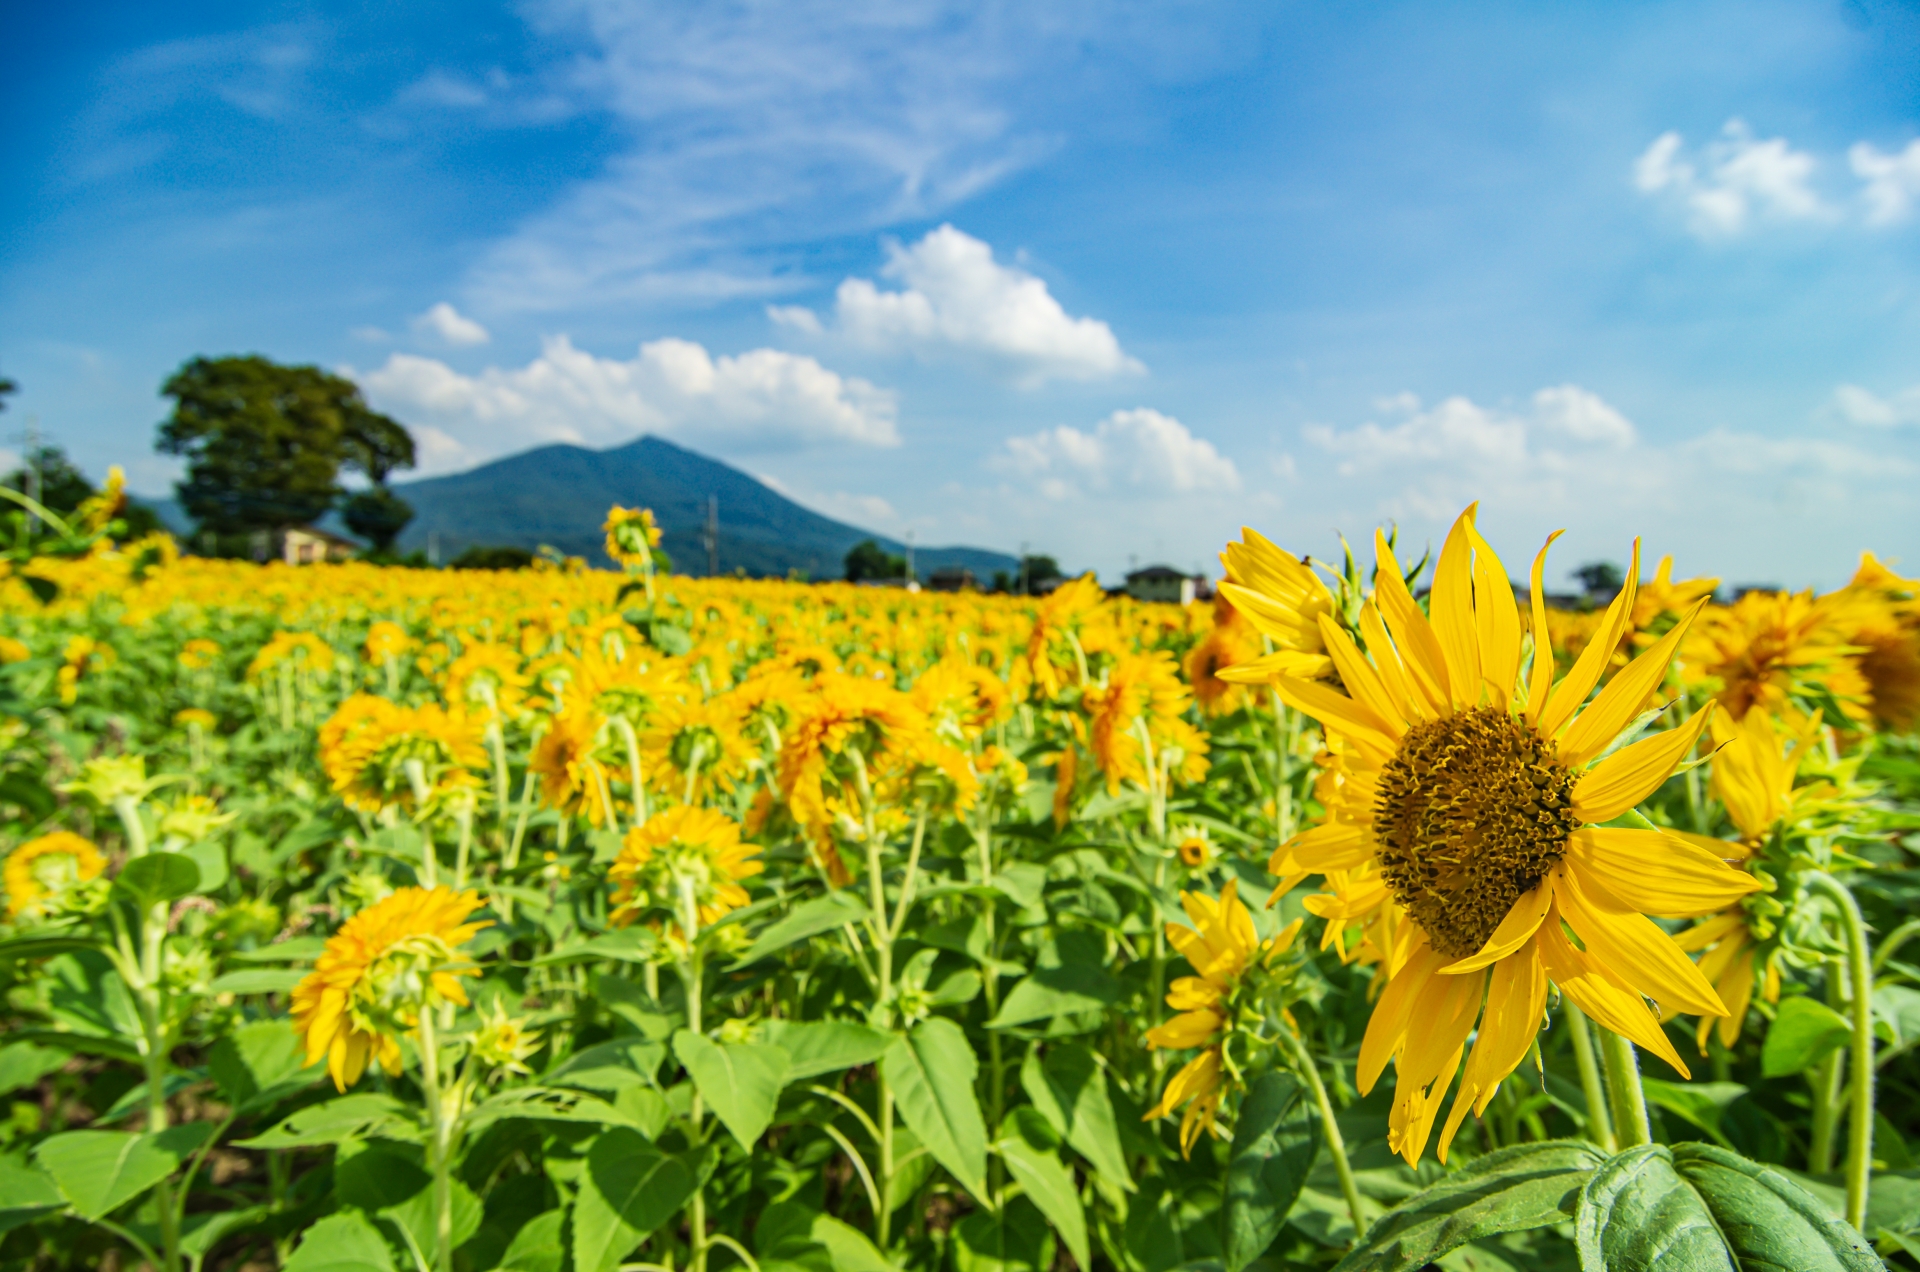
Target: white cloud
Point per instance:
(1139, 451)
(1892, 181)
(450, 326)
(1856, 405)
(764, 399)
(1734, 182)
(956, 298)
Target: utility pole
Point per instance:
(433, 547)
(713, 536)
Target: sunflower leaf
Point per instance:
(1804, 1032)
(1275, 1143)
(1513, 1189)
(931, 1072)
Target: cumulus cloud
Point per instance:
(1856, 405)
(450, 326)
(955, 298)
(1892, 181)
(1139, 451)
(1735, 181)
(765, 399)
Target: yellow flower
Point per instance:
(1221, 947)
(684, 856)
(1284, 600)
(697, 740)
(365, 745)
(192, 818)
(198, 653)
(200, 716)
(1195, 848)
(1770, 648)
(12, 651)
(573, 779)
(631, 534)
(39, 871)
(504, 1042)
(1143, 689)
(295, 647)
(1232, 643)
(387, 640)
(484, 669)
(1476, 793)
(386, 965)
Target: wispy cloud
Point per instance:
(1739, 182)
(450, 326)
(1140, 452)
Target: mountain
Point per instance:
(559, 496)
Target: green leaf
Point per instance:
(628, 1189)
(1275, 1143)
(392, 1182)
(1069, 1088)
(211, 857)
(825, 1046)
(1700, 1207)
(157, 877)
(809, 918)
(26, 1193)
(301, 949)
(1513, 1189)
(537, 1247)
(931, 1072)
(1030, 1157)
(1805, 1031)
(29, 794)
(25, 1063)
(100, 1171)
(610, 1066)
(257, 980)
(259, 1063)
(740, 1081)
(44, 590)
(1057, 991)
(1697, 1103)
(361, 1116)
(204, 1230)
(1015, 1240)
(790, 1234)
(341, 1243)
(625, 945)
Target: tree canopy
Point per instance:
(868, 560)
(265, 443)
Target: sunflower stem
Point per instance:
(1599, 1124)
(1860, 1055)
(1633, 1126)
(634, 775)
(692, 976)
(437, 1154)
(1336, 1143)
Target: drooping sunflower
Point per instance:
(573, 774)
(365, 746)
(1477, 793)
(1143, 692)
(1222, 948)
(1284, 600)
(386, 965)
(39, 871)
(686, 853)
(1232, 642)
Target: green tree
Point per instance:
(265, 443)
(1601, 578)
(868, 560)
(376, 515)
(63, 488)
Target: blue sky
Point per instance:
(1111, 280)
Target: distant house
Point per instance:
(1164, 583)
(306, 545)
(951, 578)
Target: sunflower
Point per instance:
(1753, 774)
(1284, 600)
(1774, 650)
(573, 777)
(386, 640)
(1143, 690)
(1232, 641)
(1195, 847)
(386, 965)
(1878, 612)
(1475, 793)
(41, 871)
(366, 744)
(1222, 948)
(693, 747)
(686, 855)
(631, 535)
(487, 670)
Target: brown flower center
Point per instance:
(1472, 811)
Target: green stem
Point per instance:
(1632, 1124)
(441, 1137)
(692, 977)
(152, 1006)
(1825, 1080)
(1860, 1054)
(463, 819)
(1895, 939)
(1599, 1124)
(632, 743)
(429, 863)
(1336, 1143)
(127, 808)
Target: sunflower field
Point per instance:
(370, 919)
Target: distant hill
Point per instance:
(559, 496)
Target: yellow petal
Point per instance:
(1541, 679)
(1705, 933)
(1387, 1027)
(1516, 1001)
(1737, 988)
(1611, 1004)
(1522, 921)
(1281, 662)
(1361, 680)
(1633, 948)
(1496, 621)
(1655, 873)
(1333, 846)
(1632, 773)
(1408, 704)
(1443, 1017)
(1338, 712)
(1565, 698)
(1192, 1029)
(1451, 605)
(1411, 1122)
(1624, 695)
(1411, 631)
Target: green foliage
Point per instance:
(376, 515)
(868, 560)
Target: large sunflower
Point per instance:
(1477, 791)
